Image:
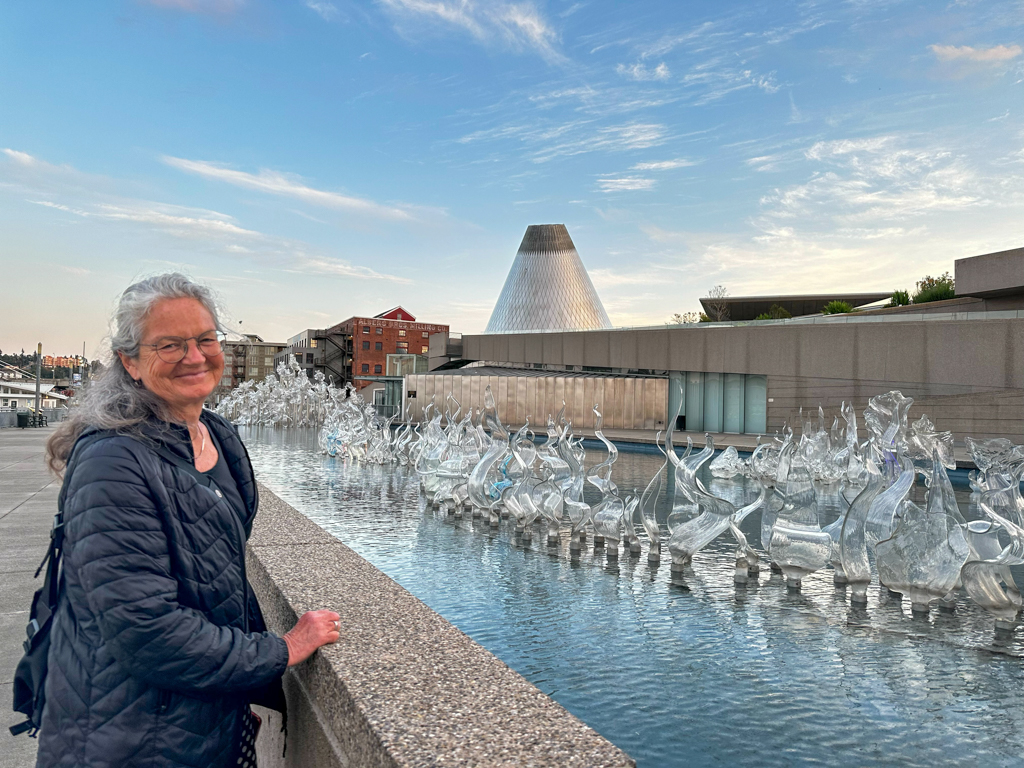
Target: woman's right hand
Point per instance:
(313, 629)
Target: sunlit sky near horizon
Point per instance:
(314, 160)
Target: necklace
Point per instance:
(202, 437)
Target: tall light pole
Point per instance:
(39, 369)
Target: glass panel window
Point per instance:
(376, 369)
(402, 346)
(379, 346)
(366, 345)
(268, 362)
(366, 329)
(366, 367)
(424, 334)
(253, 371)
(424, 350)
(401, 332)
(309, 358)
(312, 343)
(379, 330)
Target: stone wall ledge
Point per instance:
(402, 687)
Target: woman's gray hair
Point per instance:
(113, 399)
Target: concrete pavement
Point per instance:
(28, 502)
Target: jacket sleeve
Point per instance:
(118, 546)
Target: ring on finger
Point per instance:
(337, 625)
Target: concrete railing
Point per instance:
(402, 687)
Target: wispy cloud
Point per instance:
(21, 158)
(339, 268)
(764, 162)
(327, 11)
(71, 193)
(997, 54)
(638, 71)
(664, 165)
(625, 184)
(275, 183)
(518, 25)
(576, 137)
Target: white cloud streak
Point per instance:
(638, 71)
(327, 11)
(520, 26)
(625, 184)
(997, 54)
(664, 165)
(72, 193)
(275, 183)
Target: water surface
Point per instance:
(696, 672)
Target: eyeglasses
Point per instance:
(173, 349)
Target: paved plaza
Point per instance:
(28, 502)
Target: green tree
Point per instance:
(836, 307)
(775, 312)
(899, 299)
(935, 289)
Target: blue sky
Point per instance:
(315, 160)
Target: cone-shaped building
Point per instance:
(547, 289)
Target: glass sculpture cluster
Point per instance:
(925, 552)
(349, 426)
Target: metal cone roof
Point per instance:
(548, 288)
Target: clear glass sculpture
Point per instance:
(797, 543)
(853, 544)
(607, 513)
(649, 511)
(705, 517)
(728, 464)
(479, 484)
(879, 523)
(986, 577)
(923, 557)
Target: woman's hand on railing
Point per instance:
(313, 629)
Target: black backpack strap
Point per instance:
(31, 672)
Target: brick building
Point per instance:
(375, 339)
(360, 349)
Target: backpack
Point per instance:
(30, 675)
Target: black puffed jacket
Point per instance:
(157, 646)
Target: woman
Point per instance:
(158, 646)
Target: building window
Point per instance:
(424, 334)
(253, 371)
(309, 358)
(401, 332)
(402, 346)
(366, 367)
(424, 350)
(366, 329)
(312, 343)
(268, 362)
(376, 369)
(366, 345)
(379, 330)
(379, 346)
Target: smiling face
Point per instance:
(186, 384)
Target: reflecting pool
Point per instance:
(696, 672)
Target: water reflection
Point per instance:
(683, 669)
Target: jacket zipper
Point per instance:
(240, 529)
